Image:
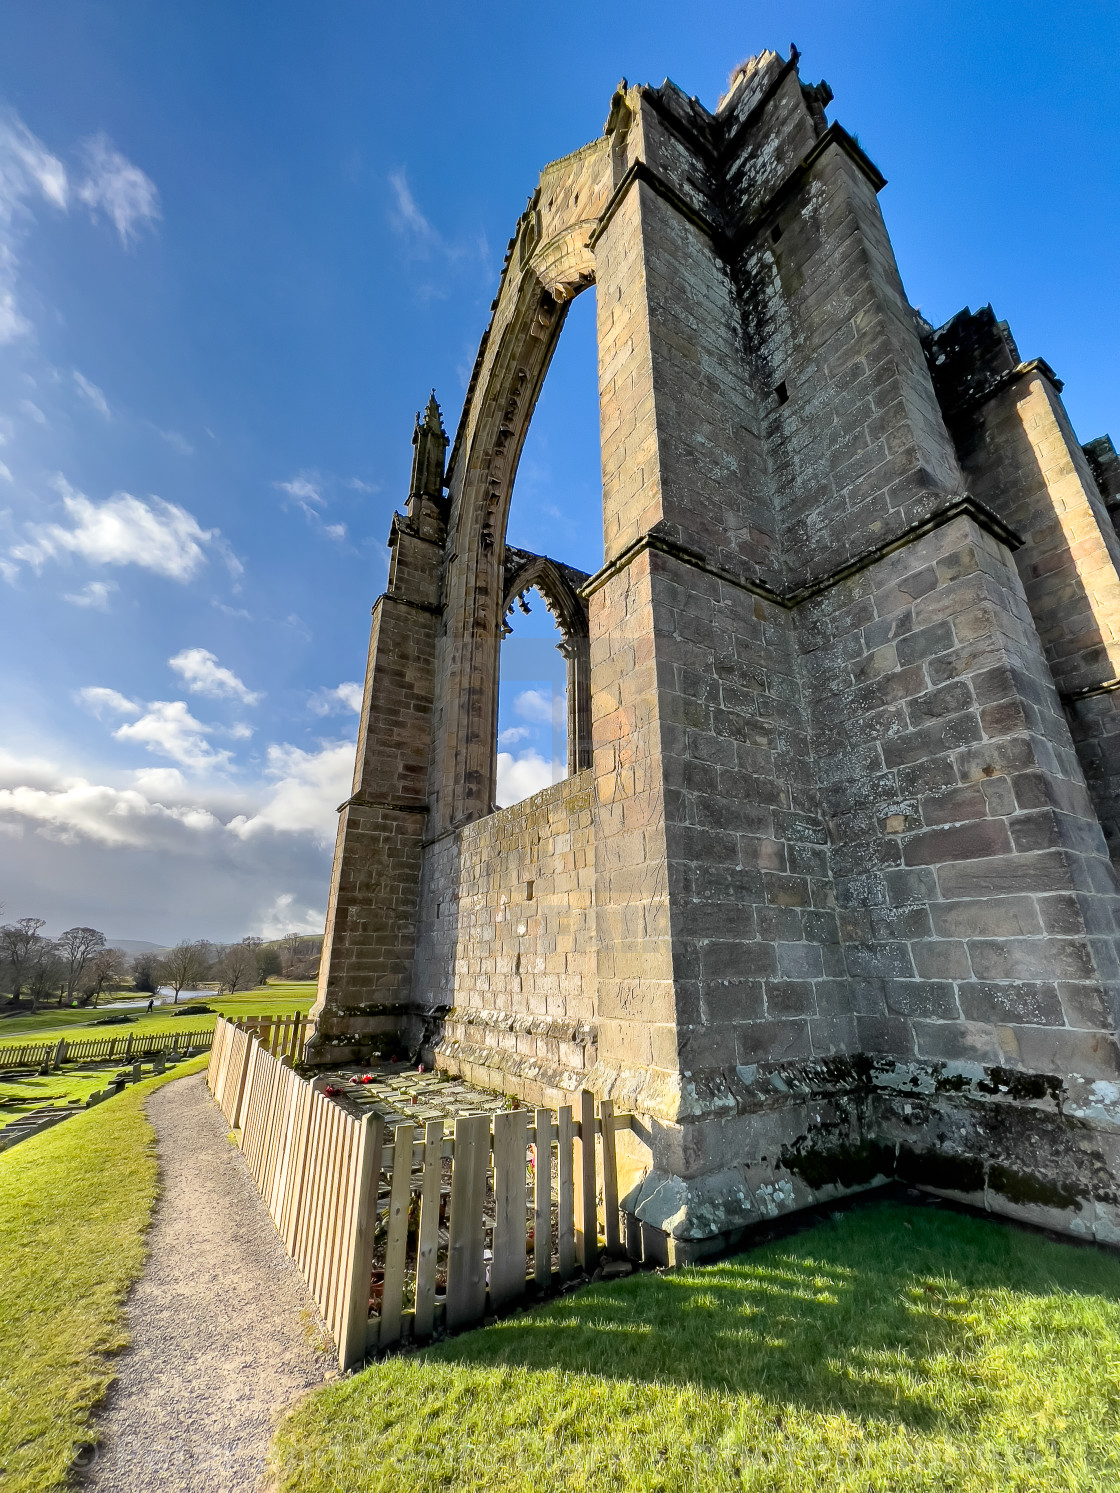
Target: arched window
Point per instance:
(544, 696)
(545, 685)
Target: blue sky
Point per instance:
(238, 245)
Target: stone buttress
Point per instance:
(827, 899)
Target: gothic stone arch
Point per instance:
(559, 585)
(831, 900)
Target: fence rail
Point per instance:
(101, 1049)
(398, 1233)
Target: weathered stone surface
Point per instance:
(827, 897)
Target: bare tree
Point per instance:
(107, 967)
(145, 973)
(236, 968)
(19, 948)
(183, 966)
(76, 947)
(44, 972)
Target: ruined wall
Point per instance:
(507, 944)
(833, 903)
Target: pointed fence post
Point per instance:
(507, 1268)
(466, 1274)
(610, 1180)
(427, 1245)
(542, 1202)
(587, 1214)
(565, 1192)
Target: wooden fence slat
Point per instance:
(312, 1183)
(335, 1232)
(287, 1143)
(542, 1201)
(299, 1172)
(335, 1192)
(427, 1246)
(326, 1185)
(215, 1055)
(343, 1236)
(243, 1079)
(466, 1278)
(400, 1199)
(586, 1213)
(507, 1267)
(355, 1314)
(565, 1232)
(610, 1180)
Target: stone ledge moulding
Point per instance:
(827, 898)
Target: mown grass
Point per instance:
(75, 1203)
(889, 1350)
(18, 1096)
(51, 1022)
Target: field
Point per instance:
(74, 1206)
(50, 1022)
(891, 1350)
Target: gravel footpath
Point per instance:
(224, 1334)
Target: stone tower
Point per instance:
(827, 897)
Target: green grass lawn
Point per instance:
(278, 999)
(892, 1349)
(20, 1095)
(75, 1203)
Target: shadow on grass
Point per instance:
(866, 1316)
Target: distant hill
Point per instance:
(136, 946)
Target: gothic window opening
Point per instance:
(544, 691)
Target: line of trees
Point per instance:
(79, 967)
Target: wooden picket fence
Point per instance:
(419, 1204)
(102, 1049)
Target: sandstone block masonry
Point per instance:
(828, 896)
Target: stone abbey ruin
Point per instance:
(827, 897)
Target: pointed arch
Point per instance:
(549, 261)
(559, 585)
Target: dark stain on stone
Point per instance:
(1022, 1187)
(842, 1165)
(1021, 1085)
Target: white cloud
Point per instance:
(168, 729)
(359, 486)
(285, 917)
(98, 698)
(344, 697)
(178, 443)
(308, 787)
(534, 705)
(423, 241)
(5, 473)
(158, 536)
(204, 675)
(519, 777)
(92, 394)
(232, 857)
(27, 171)
(307, 494)
(513, 734)
(408, 219)
(126, 196)
(95, 594)
(77, 809)
(305, 490)
(32, 411)
(160, 782)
